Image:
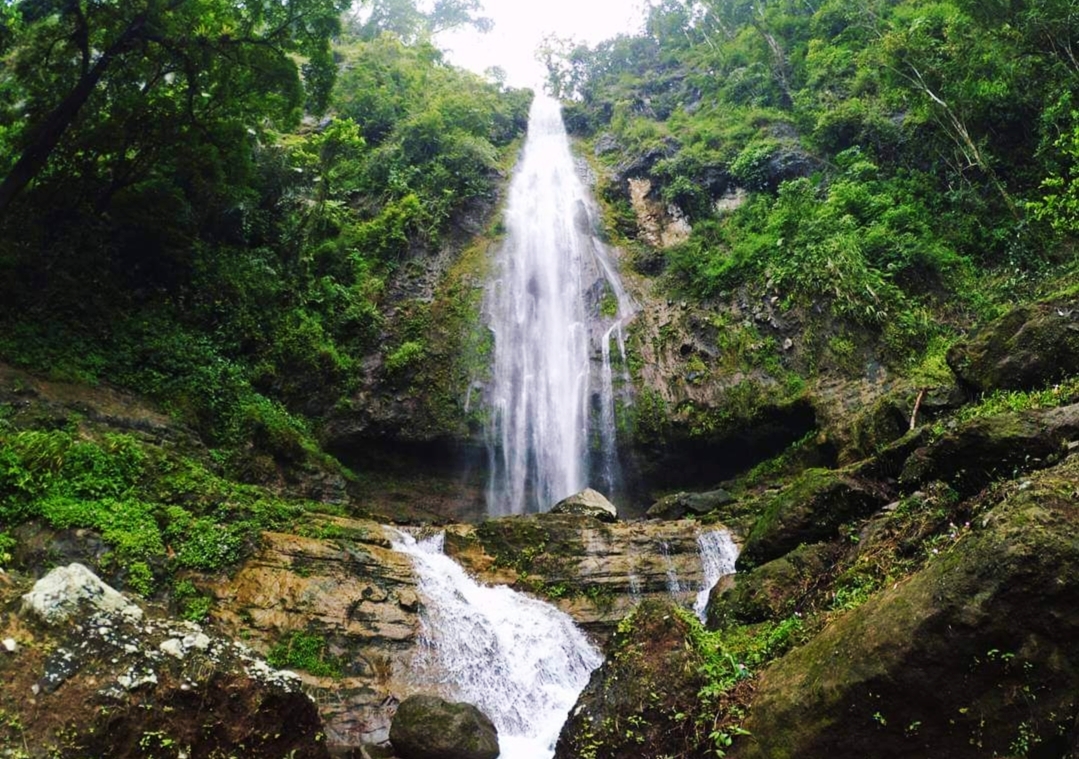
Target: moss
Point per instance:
(457, 348)
(775, 590)
(933, 665)
(306, 651)
(808, 510)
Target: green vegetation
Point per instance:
(1004, 401)
(210, 204)
(908, 164)
(158, 513)
(230, 260)
(306, 651)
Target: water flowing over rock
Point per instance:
(718, 555)
(366, 600)
(519, 660)
(596, 572)
(555, 307)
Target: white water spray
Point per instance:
(718, 555)
(546, 332)
(520, 660)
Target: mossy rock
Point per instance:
(974, 656)
(774, 590)
(970, 457)
(887, 420)
(428, 727)
(543, 543)
(1028, 348)
(809, 510)
(696, 445)
(682, 505)
(628, 708)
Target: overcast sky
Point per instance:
(520, 25)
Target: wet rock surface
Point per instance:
(428, 727)
(596, 573)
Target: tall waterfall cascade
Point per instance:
(556, 306)
(520, 660)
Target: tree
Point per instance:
(82, 64)
(410, 21)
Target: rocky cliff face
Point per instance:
(348, 587)
(911, 604)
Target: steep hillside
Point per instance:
(819, 198)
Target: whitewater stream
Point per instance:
(520, 660)
(555, 306)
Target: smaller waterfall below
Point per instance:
(718, 556)
(520, 660)
(674, 585)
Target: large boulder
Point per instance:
(972, 455)
(651, 673)
(587, 503)
(973, 656)
(681, 505)
(99, 679)
(1027, 348)
(428, 727)
(809, 510)
(774, 590)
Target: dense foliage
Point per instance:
(174, 223)
(904, 160)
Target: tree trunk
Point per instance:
(47, 136)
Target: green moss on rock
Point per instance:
(1027, 348)
(809, 510)
(637, 703)
(972, 657)
(774, 590)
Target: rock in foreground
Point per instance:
(428, 727)
(972, 657)
(101, 677)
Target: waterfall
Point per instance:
(718, 554)
(520, 660)
(674, 585)
(556, 303)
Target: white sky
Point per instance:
(520, 26)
